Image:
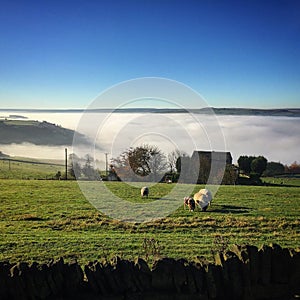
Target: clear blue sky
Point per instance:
(62, 54)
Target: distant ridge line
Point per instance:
(287, 112)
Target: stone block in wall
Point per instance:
(31, 277)
(180, 276)
(143, 274)
(118, 277)
(191, 281)
(234, 285)
(55, 277)
(4, 279)
(73, 278)
(90, 276)
(44, 281)
(198, 271)
(245, 255)
(42, 277)
(162, 275)
(96, 280)
(16, 282)
(100, 278)
(123, 271)
(119, 286)
(62, 278)
(252, 253)
(108, 272)
(281, 264)
(29, 281)
(265, 265)
(294, 278)
(214, 281)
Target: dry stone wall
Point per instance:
(245, 272)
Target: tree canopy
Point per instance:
(258, 165)
(244, 162)
(252, 164)
(274, 168)
(140, 162)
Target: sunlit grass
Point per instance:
(48, 219)
(284, 180)
(20, 170)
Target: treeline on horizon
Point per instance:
(285, 112)
(149, 163)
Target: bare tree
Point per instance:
(172, 160)
(141, 161)
(157, 162)
(88, 170)
(74, 168)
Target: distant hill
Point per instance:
(35, 132)
(277, 112)
(280, 112)
(284, 112)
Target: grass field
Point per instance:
(48, 219)
(27, 170)
(283, 180)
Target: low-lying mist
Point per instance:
(276, 138)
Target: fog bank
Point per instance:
(276, 138)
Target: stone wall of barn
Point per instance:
(245, 272)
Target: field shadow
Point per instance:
(229, 209)
(280, 184)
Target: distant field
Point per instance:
(284, 180)
(38, 133)
(48, 219)
(27, 170)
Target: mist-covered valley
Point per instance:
(275, 137)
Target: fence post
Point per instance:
(66, 163)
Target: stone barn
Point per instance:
(205, 166)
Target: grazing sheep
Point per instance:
(145, 191)
(190, 202)
(185, 202)
(203, 198)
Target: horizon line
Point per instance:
(148, 108)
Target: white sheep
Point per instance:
(203, 198)
(145, 191)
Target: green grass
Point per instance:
(41, 220)
(21, 170)
(284, 180)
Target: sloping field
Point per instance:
(26, 168)
(35, 132)
(40, 220)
